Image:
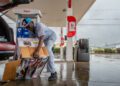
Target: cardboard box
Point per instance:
(8, 70)
(27, 52)
(28, 45)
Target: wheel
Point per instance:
(5, 58)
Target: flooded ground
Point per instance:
(102, 70)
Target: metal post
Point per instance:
(61, 53)
(61, 45)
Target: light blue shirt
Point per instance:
(42, 29)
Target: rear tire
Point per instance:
(5, 58)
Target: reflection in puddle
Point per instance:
(102, 70)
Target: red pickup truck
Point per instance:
(7, 44)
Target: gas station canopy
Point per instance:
(54, 11)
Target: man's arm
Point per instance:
(36, 53)
(40, 42)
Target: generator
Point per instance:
(81, 51)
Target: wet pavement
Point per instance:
(102, 70)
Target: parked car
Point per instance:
(7, 44)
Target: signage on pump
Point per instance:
(71, 26)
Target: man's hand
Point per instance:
(36, 54)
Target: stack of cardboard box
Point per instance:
(27, 47)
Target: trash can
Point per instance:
(81, 52)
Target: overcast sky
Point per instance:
(101, 24)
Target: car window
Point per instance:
(3, 39)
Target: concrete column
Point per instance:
(69, 46)
(69, 52)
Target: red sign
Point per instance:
(69, 3)
(71, 26)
